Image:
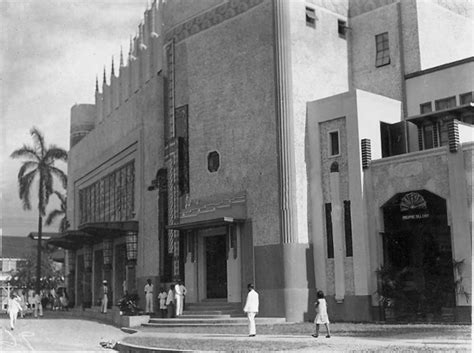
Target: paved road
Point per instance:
(50, 335)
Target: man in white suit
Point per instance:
(251, 308)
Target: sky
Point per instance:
(51, 53)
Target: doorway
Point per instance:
(216, 266)
(418, 261)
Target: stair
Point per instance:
(210, 312)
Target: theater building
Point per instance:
(198, 160)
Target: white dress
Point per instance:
(322, 312)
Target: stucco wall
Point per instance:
(444, 36)
(137, 123)
(226, 76)
(385, 80)
(431, 86)
(319, 69)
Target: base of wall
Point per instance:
(463, 314)
(354, 308)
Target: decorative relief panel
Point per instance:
(211, 18)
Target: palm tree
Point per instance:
(63, 224)
(40, 163)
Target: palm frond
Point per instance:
(24, 188)
(25, 151)
(39, 140)
(55, 153)
(60, 175)
(45, 189)
(52, 216)
(62, 198)
(24, 168)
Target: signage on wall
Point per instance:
(413, 206)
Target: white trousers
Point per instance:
(252, 328)
(105, 300)
(179, 304)
(149, 302)
(13, 316)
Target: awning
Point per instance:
(210, 223)
(72, 240)
(109, 229)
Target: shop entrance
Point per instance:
(216, 266)
(416, 281)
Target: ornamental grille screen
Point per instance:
(110, 198)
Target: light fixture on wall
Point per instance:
(88, 258)
(131, 240)
(107, 252)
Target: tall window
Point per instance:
(181, 116)
(382, 50)
(334, 143)
(330, 244)
(348, 227)
(310, 17)
(445, 103)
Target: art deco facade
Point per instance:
(194, 162)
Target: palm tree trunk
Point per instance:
(38, 263)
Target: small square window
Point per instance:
(341, 28)
(334, 143)
(465, 98)
(382, 57)
(425, 108)
(310, 17)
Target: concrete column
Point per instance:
(295, 256)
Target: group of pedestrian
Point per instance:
(171, 301)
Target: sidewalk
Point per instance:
(345, 337)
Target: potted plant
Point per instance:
(389, 290)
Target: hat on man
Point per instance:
(104, 281)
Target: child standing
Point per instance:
(321, 314)
(162, 297)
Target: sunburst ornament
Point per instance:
(412, 201)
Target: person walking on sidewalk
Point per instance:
(321, 314)
(14, 307)
(149, 297)
(251, 308)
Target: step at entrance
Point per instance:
(213, 312)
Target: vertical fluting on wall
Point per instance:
(284, 108)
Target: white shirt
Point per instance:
(148, 288)
(177, 289)
(170, 298)
(251, 305)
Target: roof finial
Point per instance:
(121, 57)
(112, 72)
(96, 83)
(105, 78)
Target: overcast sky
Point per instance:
(51, 52)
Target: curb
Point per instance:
(132, 348)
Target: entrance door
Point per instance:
(216, 267)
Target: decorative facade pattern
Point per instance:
(110, 198)
(211, 18)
